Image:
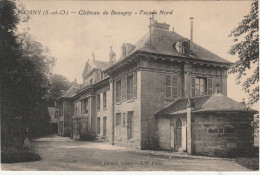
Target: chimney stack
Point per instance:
(112, 56)
(191, 29)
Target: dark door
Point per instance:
(178, 143)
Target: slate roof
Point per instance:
(163, 43)
(95, 64)
(212, 103)
(72, 91)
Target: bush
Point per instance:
(90, 136)
(11, 155)
(251, 163)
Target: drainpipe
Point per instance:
(190, 105)
(112, 111)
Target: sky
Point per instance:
(72, 38)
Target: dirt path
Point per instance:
(60, 153)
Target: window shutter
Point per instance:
(135, 84)
(193, 86)
(210, 86)
(174, 87)
(114, 91)
(123, 91)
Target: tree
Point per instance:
(246, 47)
(57, 84)
(25, 70)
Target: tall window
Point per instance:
(104, 100)
(104, 126)
(98, 102)
(118, 119)
(84, 106)
(200, 86)
(130, 124)
(118, 91)
(130, 87)
(171, 86)
(118, 123)
(98, 125)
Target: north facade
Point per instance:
(118, 100)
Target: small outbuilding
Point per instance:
(212, 125)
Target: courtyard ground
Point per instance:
(62, 153)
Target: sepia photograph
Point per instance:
(129, 86)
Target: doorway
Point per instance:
(178, 143)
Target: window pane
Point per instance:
(130, 87)
(130, 125)
(174, 92)
(201, 81)
(118, 91)
(168, 80)
(168, 92)
(174, 80)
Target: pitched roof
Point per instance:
(72, 91)
(163, 41)
(94, 64)
(215, 102)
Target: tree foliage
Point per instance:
(57, 84)
(246, 47)
(25, 71)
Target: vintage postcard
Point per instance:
(129, 86)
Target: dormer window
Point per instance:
(185, 47)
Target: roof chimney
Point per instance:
(191, 29)
(112, 56)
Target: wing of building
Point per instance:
(124, 101)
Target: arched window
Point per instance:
(185, 47)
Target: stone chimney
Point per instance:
(190, 106)
(112, 56)
(123, 51)
(159, 25)
(126, 49)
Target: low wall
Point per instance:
(222, 134)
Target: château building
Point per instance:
(164, 92)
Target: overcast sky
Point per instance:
(72, 38)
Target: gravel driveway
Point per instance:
(61, 153)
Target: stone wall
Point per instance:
(222, 134)
(153, 98)
(164, 133)
(105, 112)
(123, 107)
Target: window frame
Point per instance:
(171, 86)
(104, 100)
(130, 87)
(118, 91)
(130, 125)
(98, 102)
(198, 84)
